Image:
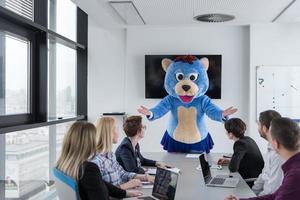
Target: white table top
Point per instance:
(191, 185)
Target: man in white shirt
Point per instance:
(271, 177)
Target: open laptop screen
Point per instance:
(165, 184)
(205, 168)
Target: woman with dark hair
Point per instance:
(128, 153)
(246, 158)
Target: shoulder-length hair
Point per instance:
(105, 127)
(78, 146)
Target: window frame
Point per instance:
(38, 90)
(22, 33)
(39, 34)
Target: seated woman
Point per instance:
(246, 158)
(78, 147)
(111, 170)
(128, 153)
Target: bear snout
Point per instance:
(186, 87)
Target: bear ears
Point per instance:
(166, 63)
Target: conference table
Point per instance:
(191, 185)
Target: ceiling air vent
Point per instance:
(214, 17)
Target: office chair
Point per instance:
(66, 187)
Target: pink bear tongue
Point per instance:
(186, 99)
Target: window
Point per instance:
(40, 70)
(27, 163)
(62, 60)
(15, 68)
(62, 18)
(21, 7)
(62, 81)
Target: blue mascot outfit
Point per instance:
(186, 82)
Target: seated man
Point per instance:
(246, 158)
(285, 134)
(271, 177)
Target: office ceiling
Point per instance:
(181, 12)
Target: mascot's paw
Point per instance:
(186, 130)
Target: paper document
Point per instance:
(193, 155)
(174, 169)
(214, 166)
(151, 171)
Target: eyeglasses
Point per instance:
(144, 127)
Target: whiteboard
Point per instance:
(278, 88)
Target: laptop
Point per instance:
(164, 187)
(218, 180)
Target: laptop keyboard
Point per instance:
(218, 181)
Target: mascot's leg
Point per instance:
(171, 145)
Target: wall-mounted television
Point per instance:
(155, 75)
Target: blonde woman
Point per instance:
(111, 170)
(78, 147)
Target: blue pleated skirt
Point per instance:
(172, 145)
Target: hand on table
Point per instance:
(133, 183)
(223, 161)
(150, 178)
(133, 193)
(163, 165)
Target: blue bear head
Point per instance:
(186, 77)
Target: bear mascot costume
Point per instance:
(186, 82)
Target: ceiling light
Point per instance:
(128, 12)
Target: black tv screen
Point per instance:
(155, 75)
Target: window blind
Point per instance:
(21, 7)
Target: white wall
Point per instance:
(270, 44)
(106, 69)
(106, 61)
(230, 41)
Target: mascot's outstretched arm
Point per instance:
(158, 111)
(211, 110)
(214, 112)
